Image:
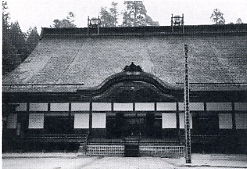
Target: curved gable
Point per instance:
(132, 84)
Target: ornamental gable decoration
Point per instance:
(132, 68)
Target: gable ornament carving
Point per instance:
(132, 68)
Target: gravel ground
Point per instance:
(75, 161)
(212, 161)
(46, 163)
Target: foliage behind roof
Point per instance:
(66, 59)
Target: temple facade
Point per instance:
(121, 92)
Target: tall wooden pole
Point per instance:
(187, 111)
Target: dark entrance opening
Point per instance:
(205, 124)
(133, 124)
(131, 150)
(58, 125)
(150, 125)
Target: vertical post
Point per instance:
(178, 122)
(98, 25)
(233, 117)
(69, 110)
(183, 22)
(90, 116)
(172, 22)
(187, 112)
(88, 25)
(71, 126)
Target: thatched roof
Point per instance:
(67, 61)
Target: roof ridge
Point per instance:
(147, 30)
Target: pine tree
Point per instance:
(109, 18)
(217, 17)
(239, 21)
(106, 18)
(65, 23)
(32, 39)
(18, 40)
(114, 12)
(135, 14)
(9, 58)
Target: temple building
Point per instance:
(120, 91)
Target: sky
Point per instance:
(41, 13)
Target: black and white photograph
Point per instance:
(124, 84)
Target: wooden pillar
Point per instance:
(90, 117)
(71, 126)
(88, 25)
(233, 117)
(69, 109)
(172, 22)
(187, 112)
(178, 121)
(183, 23)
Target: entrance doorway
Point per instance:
(135, 124)
(131, 150)
(132, 124)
